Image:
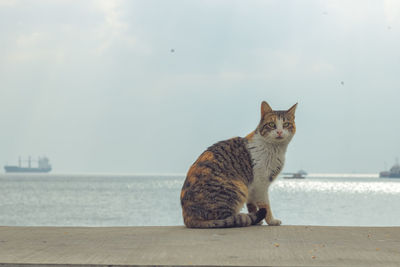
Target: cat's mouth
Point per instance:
(279, 137)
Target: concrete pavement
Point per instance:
(179, 246)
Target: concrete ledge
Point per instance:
(179, 246)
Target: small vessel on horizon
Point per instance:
(301, 174)
(394, 172)
(43, 166)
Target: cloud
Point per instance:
(113, 28)
(8, 3)
(392, 12)
(89, 28)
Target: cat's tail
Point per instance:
(237, 220)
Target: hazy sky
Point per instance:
(96, 87)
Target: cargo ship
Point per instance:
(394, 172)
(43, 166)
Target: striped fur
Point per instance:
(226, 176)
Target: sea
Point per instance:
(153, 200)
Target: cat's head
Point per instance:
(277, 126)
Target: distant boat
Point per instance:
(301, 174)
(43, 166)
(394, 172)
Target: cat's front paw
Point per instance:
(274, 222)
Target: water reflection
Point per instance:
(378, 186)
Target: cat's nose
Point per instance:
(279, 132)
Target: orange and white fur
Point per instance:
(267, 149)
(238, 171)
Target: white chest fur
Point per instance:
(268, 160)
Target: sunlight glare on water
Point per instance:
(337, 200)
(366, 187)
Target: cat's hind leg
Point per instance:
(269, 218)
(237, 220)
(252, 208)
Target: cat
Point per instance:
(238, 171)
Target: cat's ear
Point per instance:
(265, 108)
(292, 110)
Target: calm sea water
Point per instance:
(144, 200)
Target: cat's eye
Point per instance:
(272, 124)
(286, 124)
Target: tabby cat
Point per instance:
(233, 172)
